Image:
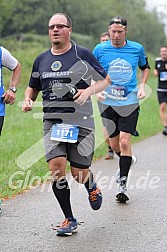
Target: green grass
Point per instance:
(23, 132)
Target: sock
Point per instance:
(110, 149)
(62, 193)
(118, 153)
(124, 164)
(90, 184)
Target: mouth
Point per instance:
(116, 40)
(56, 35)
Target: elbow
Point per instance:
(19, 67)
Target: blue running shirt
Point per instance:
(121, 64)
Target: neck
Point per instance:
(59, 49)
(120, 45)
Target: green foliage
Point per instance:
(90, 18)
(23, 131)
(83, 40)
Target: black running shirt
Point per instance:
(55, 75)
(162, 73)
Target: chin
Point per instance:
(56, 42)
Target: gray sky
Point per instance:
(161, 6)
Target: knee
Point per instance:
(115, 147)
(124, 144)
(57, 168)
(81, 176)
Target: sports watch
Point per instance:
(14, 89)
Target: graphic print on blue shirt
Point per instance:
(120, 72)
(121, 64)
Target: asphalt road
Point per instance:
(140, 225)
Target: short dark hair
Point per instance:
(119, 20)
(69, 21)
(163, 47)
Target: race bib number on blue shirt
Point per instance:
(118, 92)
(64, 133)
(163, 76)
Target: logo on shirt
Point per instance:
(120, 71)
(56, 65)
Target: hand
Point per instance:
(9, 97)
(82, 95)
(101, 96)
(141, 93)
(27, 105)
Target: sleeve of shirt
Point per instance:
(8, 60)
(95, 51)
(143, 60)
(94, 69)
(98, 72)
(35, 77)
(156, 64)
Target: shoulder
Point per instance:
(135, 45)
(4, 51)
(102, 46)
(158, 59)
(83, 53)
(82, 50)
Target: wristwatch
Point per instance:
(14, 89)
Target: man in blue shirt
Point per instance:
(121, 58)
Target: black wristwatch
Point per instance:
(14, 89)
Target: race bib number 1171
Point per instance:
(64, 133)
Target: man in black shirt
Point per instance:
(160, 71)
(63, 74)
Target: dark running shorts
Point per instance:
(162, 97)
(101, 109)
(79, 154)
(118, 119)
(1, 123)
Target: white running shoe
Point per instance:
(133, 162)
(121, 195)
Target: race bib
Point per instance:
(118, 92)
(64, 133)
(163, 76)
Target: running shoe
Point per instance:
(110, 155)
(133, 162)
(164, 132)
(95, 199)
(67, 228)
(121, 195)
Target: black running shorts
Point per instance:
(122, 118)
(162, 97)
